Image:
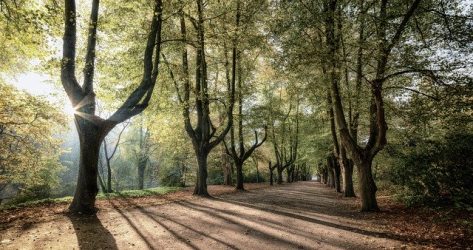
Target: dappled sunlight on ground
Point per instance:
(304, 215)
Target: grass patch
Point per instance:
(32, 203)
(101, 196)
(139, 193)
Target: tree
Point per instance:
(285, 148)
(29, 151)
(204, 134)
(363, 156)
(143, 153)
(108, 155)
(91, 128)
(242, 155)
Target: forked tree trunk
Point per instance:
(91, 128)
(239, 177)
(90, 137)
(201, 182)
(367, 187)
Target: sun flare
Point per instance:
(69, 110)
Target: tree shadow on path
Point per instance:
(91, 234)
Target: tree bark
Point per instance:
(102, 185)
(201, 182)
(90, 137)
(280, 180)
(257, 171)
(239, 177)
(141, 172)
(367, 187)
(227, 175)
(330, 179)
(336, 174)
(109, 178)
(109, 167)
(227, 168)
(348, 190)
(347, 168)
(289, 174)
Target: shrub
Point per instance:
(436, 171)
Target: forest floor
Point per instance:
(303, 215)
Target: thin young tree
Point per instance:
(91, 128)
(109, 151)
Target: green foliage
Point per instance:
(282, 61)
(173, 175)
(437, 171)
(215, 176)
(24, 30)
(251, 177)
(29, 151)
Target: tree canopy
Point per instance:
(359, 94)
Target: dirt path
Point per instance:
(303, 215)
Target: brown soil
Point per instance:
(304, 215)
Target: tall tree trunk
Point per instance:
(336, 174)
(280, 170)
(109, 178)
(257, 172)
(239, 179)
(227, 168)
(330, 181)
(348, 190)
(227, 174)
(347, 168)
(141, 172)
(330, 172)
(201, 183)
(324, 176)
(109, 168)
(102, 185)
(90, 137)
(271, 175)
(288, 174)
(367, 187)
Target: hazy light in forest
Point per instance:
(41, 85)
